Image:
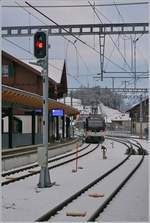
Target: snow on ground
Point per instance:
(24, 201)
(134, 195)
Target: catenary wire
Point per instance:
(75, 36)
(80, 5)
(113, 41)
(80, 40)
(22, 48)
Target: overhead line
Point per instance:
(115, 72)
(140, 77)
(64, 38)
(33, 55)
(112, 40)
(41, 21)
(73, 35)
(78, 5)
(54, 22)
(15, 44)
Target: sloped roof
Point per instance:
(21, 97)
(55, 68)
(19, 61)
(137, 104)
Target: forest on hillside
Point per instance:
(96, 95)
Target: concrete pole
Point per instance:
(10, 127)
(33, 127)
(134, 41)
(113, 83)
(71, 118)
(134, 45)
(44, 180)
(141, 118)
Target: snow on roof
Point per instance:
(137, 103)
(75, 101)
(113, 114)
(55, 68)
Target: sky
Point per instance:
(83, 63)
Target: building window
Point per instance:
(8, 70)
(17, 125)
(5, 70)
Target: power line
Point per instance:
(122, 77)
(78, 5)
(86, 45)
(112, 38)
(15, 44)
(83, 60)
(22, 48)
(54, 22)
(40, 20)
(29, 52)
(69, 41)
(72, 34)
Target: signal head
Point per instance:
(40, 44)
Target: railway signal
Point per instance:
(41, 53)
(40, 44)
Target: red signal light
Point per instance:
(39, 44)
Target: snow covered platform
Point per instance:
(24, 201)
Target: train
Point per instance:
(95, 129)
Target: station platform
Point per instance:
(25, 155)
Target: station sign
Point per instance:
(57, 112)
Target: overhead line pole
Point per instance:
(54, 22)
(74, 35)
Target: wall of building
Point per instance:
(138, 127)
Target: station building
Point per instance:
(22, 102)
(139, 114)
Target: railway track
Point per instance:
(51, 160)
(10, 153)
(95, 195)
(31, 170)
(139, 150)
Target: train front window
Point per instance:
(95, 123)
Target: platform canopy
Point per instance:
(23, 98)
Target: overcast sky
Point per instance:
(82, 62)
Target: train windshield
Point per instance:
(95, 123)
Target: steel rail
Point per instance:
(52, 167)
(113, 194)
(60, 206)
(51, 160)
(32, 148)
